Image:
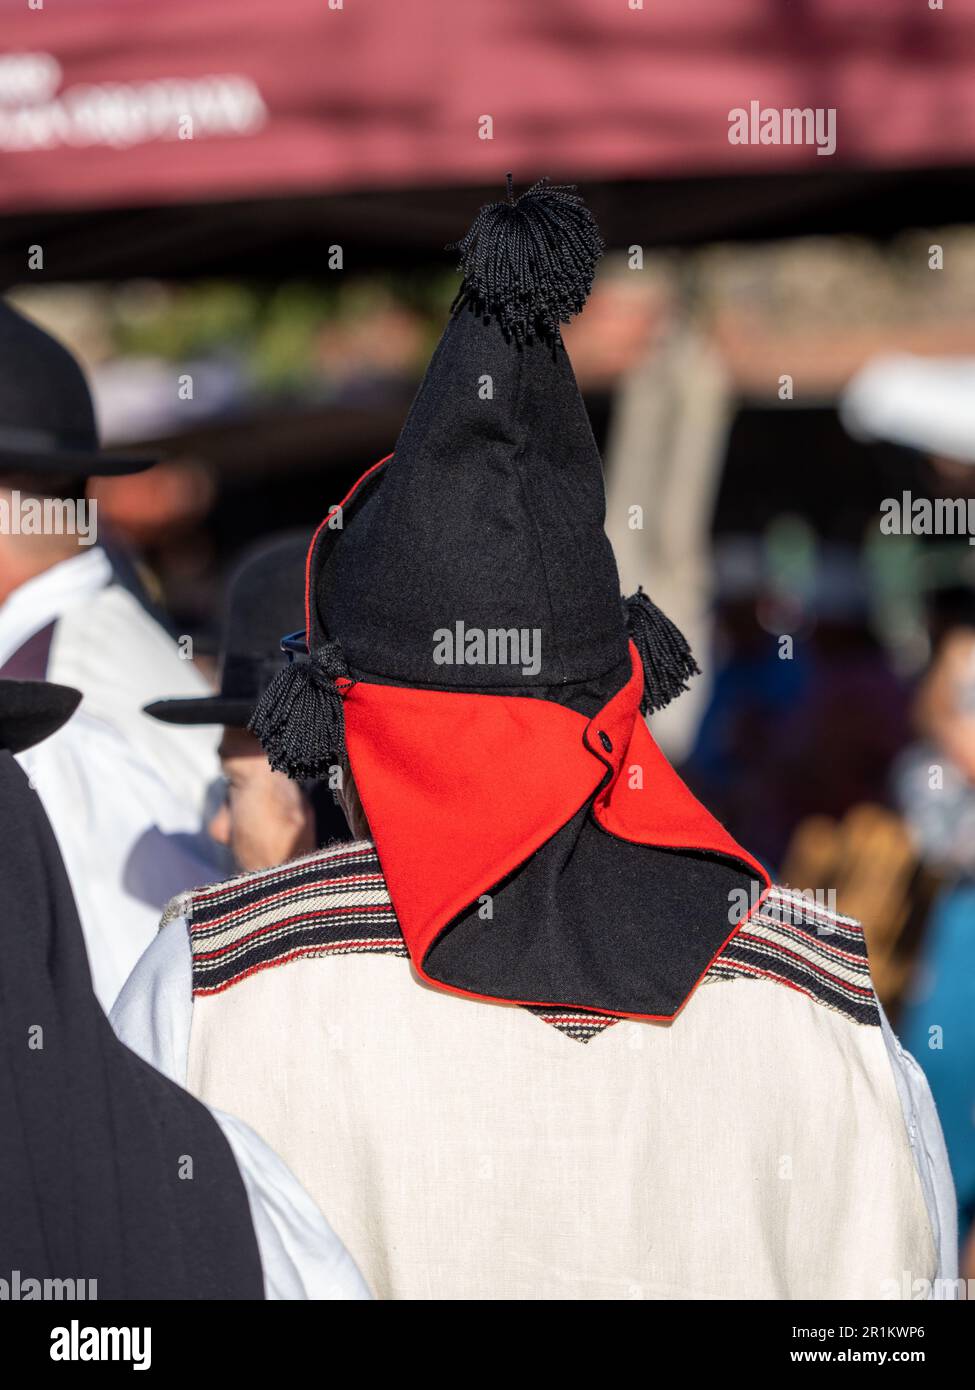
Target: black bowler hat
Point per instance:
(47, 420)
(264, 599)
(33, 710)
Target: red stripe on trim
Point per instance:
(292, 955)
(235, 885)
(286, 922)
(579, 1020)
(807, 936)
(784, 950)
(288, 893)
(770, 975)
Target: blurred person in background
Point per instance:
(264, 818)
(928, 404)
(752, 691)
(935, 782)
(937, 1025)
(126, 798)
(934, 779)
(835, 746)
(806, 715)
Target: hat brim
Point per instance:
(30, 711)
(234, 712)
(75, 461)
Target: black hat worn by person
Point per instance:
(93, 1142)
(30, 711)
(471, 655)
(47, 419)
(264, 593)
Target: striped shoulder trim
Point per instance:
(335, 902)
(332, 902)
(794, 940)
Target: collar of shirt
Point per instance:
(44, 598)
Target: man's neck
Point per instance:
(23, 562)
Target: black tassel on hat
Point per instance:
(529, 263)
(668, 662)
(299, 718)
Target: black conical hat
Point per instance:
(263, 595)
(607, 891)
(486, 522)
(490, 513)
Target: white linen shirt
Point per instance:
(125, 794)
(761, 1146)
(301, 1256)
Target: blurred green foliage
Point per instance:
(276, 331)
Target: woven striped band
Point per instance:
(331, 903)
(335, 902)
(793, 939)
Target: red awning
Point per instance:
(119, 103)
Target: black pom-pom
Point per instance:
(668, 662)
(299, 719)
(529, 262)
